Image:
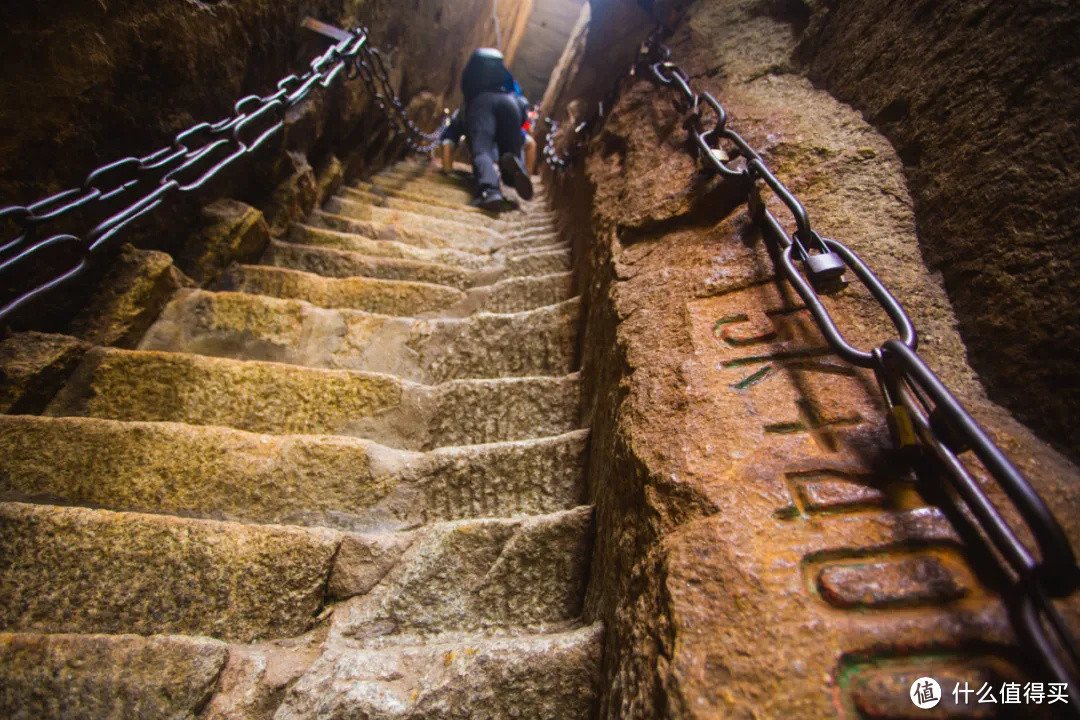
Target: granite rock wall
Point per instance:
(760, 552)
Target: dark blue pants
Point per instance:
(492, 127)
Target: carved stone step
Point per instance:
(499, 574)
(418, 237)
(460, 191)
(455, 200)
(255, 327)
(79, 570)
(417, 192)
(226, 474)
(539, 260)
(454, 234)
(355, 240)
(511, 221)
(478, 242)
(537, 247)
(85, 570)
(277, 398)
(462, 213)
(387, 297)
(446, 270)
(400, 297)
(456, 187)
(106, 677)
(540, 677)
(518, 294)
(456, 226)
(525, 230)
(532, 241)
(334, 263)
(426, 174)
(517, 262)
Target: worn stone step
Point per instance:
(453, 199)
(325, 237)
(373, 295)
(400, 297)
(448, 192)
(460, 179)
(409, 235)
(255, 327)
(531, 244)
(225, 474)
(539, 261)
(80, 570)
(533, 225)
(330, 262)
(538, 235)
(368, 206)
(106, 677)
(511, 221)
(461, 213)
(458, 186)
(475, 241)
(278, 398)
(540, 677)
(534, 246)
(468, 235)
(518, 294)
(496, 574)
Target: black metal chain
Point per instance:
(372, 71)
(117, 193)
(926, 421)
(556, 162)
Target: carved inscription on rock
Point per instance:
(820, 530)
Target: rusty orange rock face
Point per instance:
(761, 550)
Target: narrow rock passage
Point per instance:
(348, 483)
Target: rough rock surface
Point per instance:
(161, 574)
(278, 398)
(33, 366)
(243, 325)
(295, 197)
(547, 677)
(758, 553)
(232, 232)
(107, 677)
(134, 290)
(979, 99)
(228, 474)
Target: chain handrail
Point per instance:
(929, 426)
(119, 192)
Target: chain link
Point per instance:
(119, 192)
(930, 428)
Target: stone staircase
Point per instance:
(348, 483)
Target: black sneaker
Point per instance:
(516, 176)
(490, 200)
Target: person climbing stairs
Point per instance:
(348, 482)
